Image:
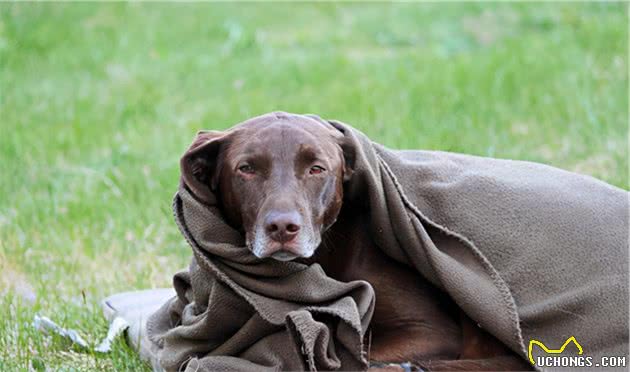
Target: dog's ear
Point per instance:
(348, 149)
(349, 156)
(201, 164)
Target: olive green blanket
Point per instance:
(528, 251)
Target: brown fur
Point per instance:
(413, 321)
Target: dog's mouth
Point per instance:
(284, 256)
(289, 251)
(283, 252)
(262, 246)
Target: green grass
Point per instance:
(98, 101)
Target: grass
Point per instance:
(98, 101)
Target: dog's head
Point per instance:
(278, 179)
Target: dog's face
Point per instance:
(279, 182)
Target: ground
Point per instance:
(98, 101)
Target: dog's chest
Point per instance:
(403, 297)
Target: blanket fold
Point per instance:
(273, 315)
(526, 250)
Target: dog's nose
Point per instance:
(282, 226)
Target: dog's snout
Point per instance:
(282, 226)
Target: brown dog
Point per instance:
(281, 183)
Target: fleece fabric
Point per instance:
(530, 252)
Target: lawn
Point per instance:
(98, 101)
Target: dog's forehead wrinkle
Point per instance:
(279, 118)
(286, 148)
(287, 136)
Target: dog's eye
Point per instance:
(246, 168)
(316, 169)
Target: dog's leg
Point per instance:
(498, 363)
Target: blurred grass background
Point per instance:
(98, 101)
